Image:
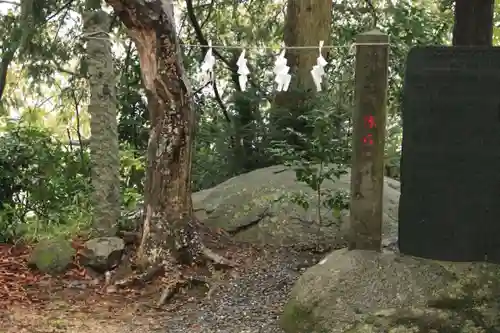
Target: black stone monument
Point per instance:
(450, 166)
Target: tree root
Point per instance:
(181, 281)
(217, 259)
(174, 287)
(208, 257)
(141, 279)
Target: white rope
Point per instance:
(91, 35)
(238, 47)
(281, 70)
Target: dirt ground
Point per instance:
(249, 297)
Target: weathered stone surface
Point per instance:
(102, 253)
(52, 256)
(363, 291)
(243, 199)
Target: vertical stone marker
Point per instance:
(369, 118)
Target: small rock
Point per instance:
(111, 289)
(94, 282)
(77, 285)
(103, 253)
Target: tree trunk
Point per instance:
(169, 228)
(473, 23)
(104, 147)
(307, 22)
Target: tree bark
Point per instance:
(169, 227)
(473, 23)
(104, 147)
(307, 23)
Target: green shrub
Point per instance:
(44, 185)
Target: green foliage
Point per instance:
(132, 173)
(43, 183)
(133, 122)
(320, 156)
(250, 123)
(226, 149)
(393, 140)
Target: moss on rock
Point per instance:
(296, 318)
(52, 256)
(363, 291)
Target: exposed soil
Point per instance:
(248, 299)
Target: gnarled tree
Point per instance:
(170, 229)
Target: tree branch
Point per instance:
(67, 71)
(220, 102)
(60, 10)
(203, 41)
(210, 10)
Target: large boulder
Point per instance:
(248, 206)
(368, 292)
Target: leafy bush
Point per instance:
(43, 183)
(321, 154)
(132, 173)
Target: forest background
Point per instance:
(46, 86)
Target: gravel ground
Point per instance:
(251, 303)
